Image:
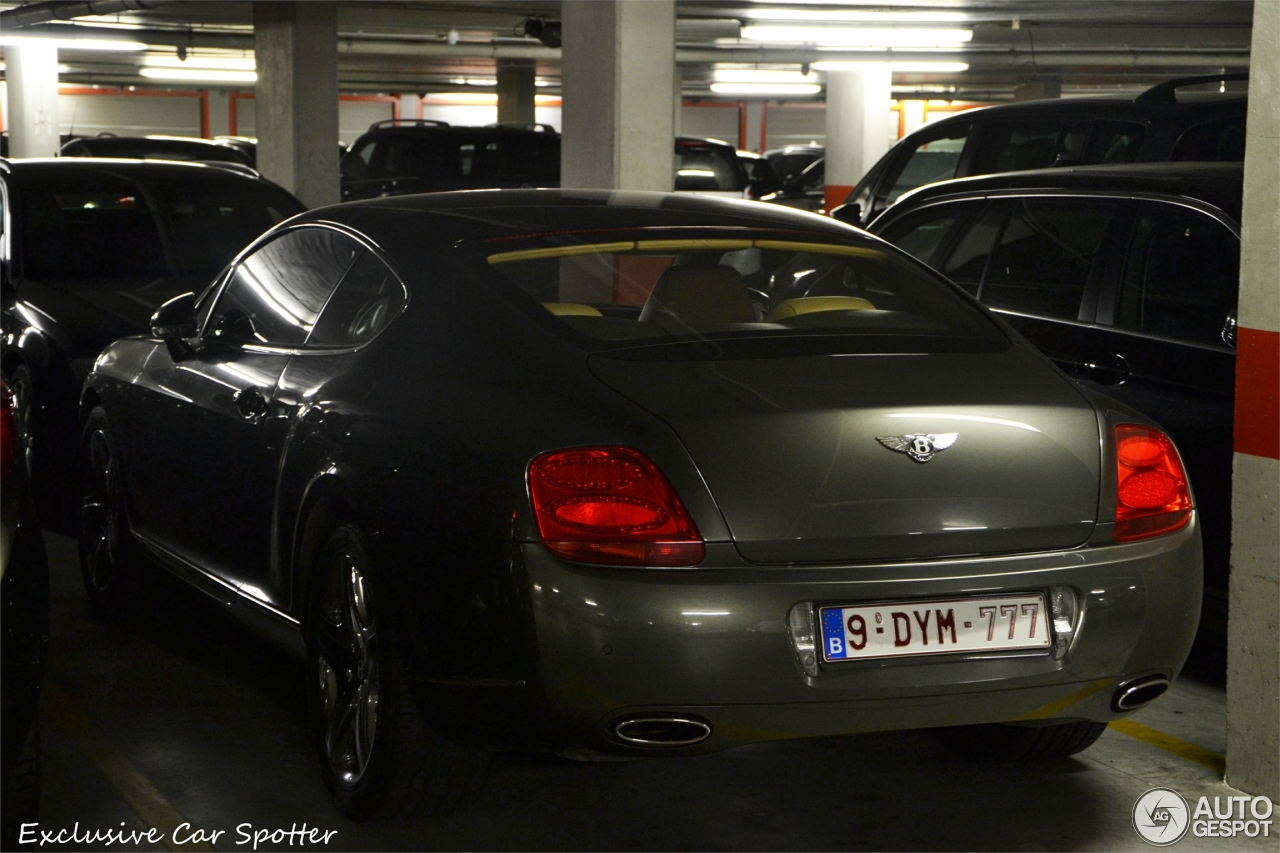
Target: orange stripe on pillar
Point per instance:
(833, 195)
(1257, 427)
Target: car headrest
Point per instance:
(813, 304)
(697, 296)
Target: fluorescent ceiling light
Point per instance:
(219, 63)
(207, 75)
(71, 44)
(860, 36)
(62, 68)
(922, 67)
(752, 75)
(474, 81)
(842, 16)
(483, 99)
(766, 88)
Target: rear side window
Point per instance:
(1018, 146)
(968, 263)
(934, 159)
(1181, 275)
(275, 294)
(925, 233)
(708, 169)
(1215, 141)
(368, 298)
(631, 289)
(1114, 142)
(94, 228)
(1041, 263)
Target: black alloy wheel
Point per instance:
(22, 384)
(107, 557)
(377, 755)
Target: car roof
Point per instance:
(1217, 184)
(44, 167)
(477, 214)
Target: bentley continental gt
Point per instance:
(635, 474)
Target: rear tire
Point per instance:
(1005, 744)
(108, 557)
(377, 755)
(22, 788)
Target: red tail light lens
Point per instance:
(8, 428)
(1151, 488)
(611, 505)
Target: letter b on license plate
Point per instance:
(908, 628)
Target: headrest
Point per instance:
(698, 296)
(571, 309)
(811, 304)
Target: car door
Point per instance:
(1169, 321)
(206, 429)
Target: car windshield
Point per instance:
(663, 286)
(106, 228)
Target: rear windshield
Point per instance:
(615, 291)
(708, 169)
(456, 160)
(106, 228)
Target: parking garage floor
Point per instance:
(179, 716)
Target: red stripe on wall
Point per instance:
(1257, 430)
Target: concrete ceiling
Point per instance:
(1085, 45)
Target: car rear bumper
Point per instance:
(714, 643)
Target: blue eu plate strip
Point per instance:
(833, 634)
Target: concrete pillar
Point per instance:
(755, 125)
(219, 112)
(410, 106)
(1253, 637)
(32, 75)
(617, 67)
(857, 127)
(515, 91)
(296, 107)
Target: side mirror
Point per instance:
(850, 214)
(175, 319)
(1229, 330)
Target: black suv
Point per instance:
(92, 248)
(186, 148)
(1177, 120)
(1127, 277)
(404, 156)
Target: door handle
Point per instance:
(251, 403)
(1110, 369)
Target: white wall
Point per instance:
(354, 117)
(128, 115)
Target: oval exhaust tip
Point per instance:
(1135, 694)
(662, 731)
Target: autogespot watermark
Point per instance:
(245, 835)
(1162, 817)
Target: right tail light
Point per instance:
(8, 426)
(1152, 496)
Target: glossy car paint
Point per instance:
(424, 436)
(1186, 387)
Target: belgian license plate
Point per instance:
(908, 628)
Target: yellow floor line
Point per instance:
(1169, 743)
(1055, 708)
(133, 787)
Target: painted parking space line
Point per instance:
(1181, 748)
(123, 775)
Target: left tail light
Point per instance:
(8, 428)
(1152, 496)
(611, 505)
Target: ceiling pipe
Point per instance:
(31, 14)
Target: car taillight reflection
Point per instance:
(1152, 496)
(8, 428)
(611, 505)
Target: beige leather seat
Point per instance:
(698, 296)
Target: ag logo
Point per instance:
(1161, 816)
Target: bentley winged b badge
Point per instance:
(921, 446)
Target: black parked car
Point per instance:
(181, 148)
(1187, 119)
(635, 474)
(93, 247)
(1126, 276)
(789, 161)
(406, 156)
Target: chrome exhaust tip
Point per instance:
(1135, 694)
(651, 731)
